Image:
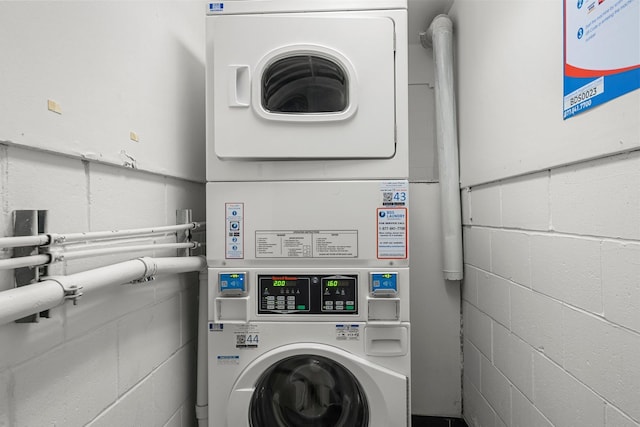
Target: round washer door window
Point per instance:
(308, 390)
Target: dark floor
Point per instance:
(422, 421)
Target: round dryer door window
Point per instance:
(308, 390)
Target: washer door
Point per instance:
(308, 390)
(317, 385)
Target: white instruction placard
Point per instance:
(234, 230)
(307, 244)
(392, 233)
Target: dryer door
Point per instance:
(301, 86)
(317, 385)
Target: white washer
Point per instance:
(306, 90)
(304, 363)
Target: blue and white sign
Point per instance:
(384, 283)
(232, 283)
(601, 52)
(234, 231)
(392, 233)
(215, 8)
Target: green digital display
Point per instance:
(333, 283)
(279, 283)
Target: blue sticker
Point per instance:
(216, 7)
(384, 282)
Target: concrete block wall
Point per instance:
(124, 355)
(551, 297)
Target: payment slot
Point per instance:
(232, 300)
(383, 301)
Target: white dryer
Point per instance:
(319, 82)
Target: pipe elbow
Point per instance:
(439, 24)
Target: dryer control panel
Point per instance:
(308, 294)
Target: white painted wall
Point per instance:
(551, 297)
(123, 356)
(435, 304)
(509, 66)
(113, 68)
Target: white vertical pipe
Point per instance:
(202, 394)
(440, 33)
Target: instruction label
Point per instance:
(347, 332)
(227, 360)
(234, 226)
(307, 244)
(392, 233)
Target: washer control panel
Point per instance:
(308, 294)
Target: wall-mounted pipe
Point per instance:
(101, 235)
(57, 255)
(202, 392)
(23, 241)
(24, 261)
(52, 238)
(440, 36)
(53, 291)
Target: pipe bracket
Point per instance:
(72, 294)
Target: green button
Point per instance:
(302, 307)
(350, 307)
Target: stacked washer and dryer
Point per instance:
(307, 213)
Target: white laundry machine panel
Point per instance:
(318, 223)
(321, 374)
(306, 90)
(301, 295)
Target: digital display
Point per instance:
(284, 281)
(307, 294)
(334, 283)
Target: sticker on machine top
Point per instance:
(215, 8)
(395, 193)
(307, 244)
(347, 332)
(234, 230)
(392, 233)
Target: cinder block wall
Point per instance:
(551, 298)
(124, 356)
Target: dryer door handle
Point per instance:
(239, 86)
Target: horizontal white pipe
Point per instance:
(23, 301)
(24, 261)
(99, 235)
(45, 239)
(26, 300)
(67, 256)
(22, 241)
